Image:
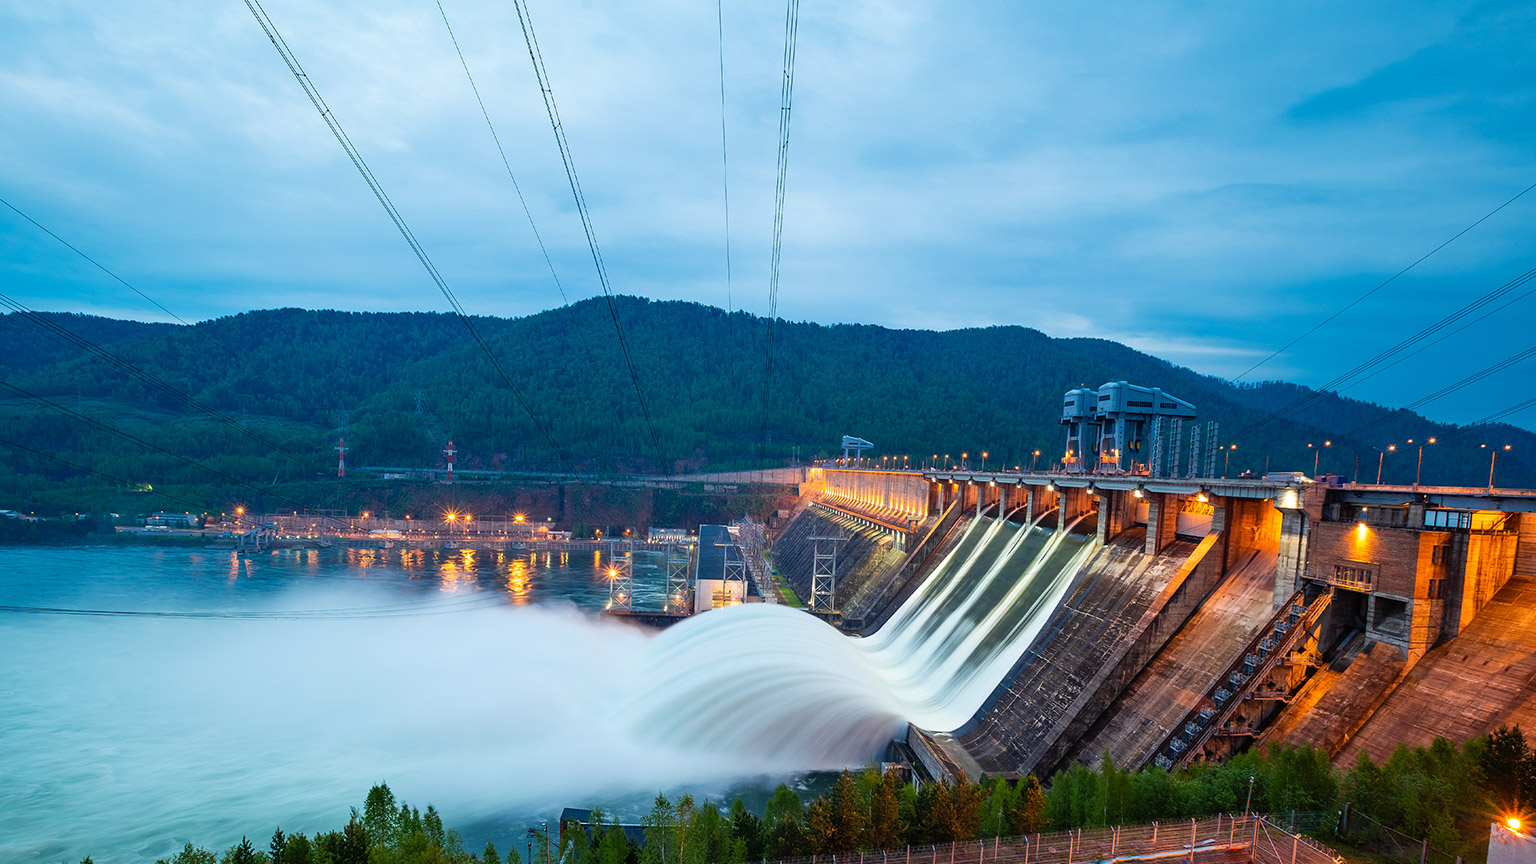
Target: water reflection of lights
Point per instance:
(517, 582)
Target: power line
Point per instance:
(1447, 390)
(1287, 346)
(725, 164)
(504, 161)
(315, 99)
(1387, 354)
(1422, 348)
(525, 20)
(786, 103)
(103, 268)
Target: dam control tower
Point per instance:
(1116, 429)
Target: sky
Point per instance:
(1202, 181)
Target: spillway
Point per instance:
(783, 683)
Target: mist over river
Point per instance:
(482, 683)
(155, 696)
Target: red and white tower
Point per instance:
(341, 456)
(449, 451)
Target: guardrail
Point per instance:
(1253, 838)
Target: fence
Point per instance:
(1221, 838)
(1388, 842)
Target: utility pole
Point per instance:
(678, 595)
(824, 573)
(621, 576)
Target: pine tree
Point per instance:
(489, 856)
(277, 847)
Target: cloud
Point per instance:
(1211, 179)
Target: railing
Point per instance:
(1251, 838)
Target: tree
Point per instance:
(1027, 815)
(353, 848)
(489, 856)
(613, 847)
(277, 847)
(785, 823)
(380, 819)
(848, 815)
(747, 828)
(1507, 768)
(660, 848)
(298, 850)
(241, 853)
(190, 854)
(885, 813)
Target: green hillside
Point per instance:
(410, 381)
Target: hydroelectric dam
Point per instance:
(1007, 621)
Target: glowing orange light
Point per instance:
(1513, 822)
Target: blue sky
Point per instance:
(1201, 181)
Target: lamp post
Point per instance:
(964, 460)
(983, 460)
(1227, 461)
(1493, 461)
(1317, 452)
(1391, 448)
(1033, 457)
(1417, 472)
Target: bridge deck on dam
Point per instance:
(1175, 681)
(1484, 678)
(1086, 633)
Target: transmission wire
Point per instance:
(315, 99)
(1287, 346)
(725, 165)
(525, 20)
(786, 103)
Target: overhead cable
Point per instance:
(786, 104)
(1387, 354)
(1353, 303)
(725, 162)
(102, 267)
(326, 114)
(525, 20)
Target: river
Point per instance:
(483, 683)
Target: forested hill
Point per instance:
(408, 382)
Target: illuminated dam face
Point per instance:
(783, 684)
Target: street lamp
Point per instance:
(1391, 448)
(1317, 452)
(1417, 472)
(1493, 461)
(963, 458)
(1227, 460)
(1033, 457)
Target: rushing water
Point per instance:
(483, 683)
